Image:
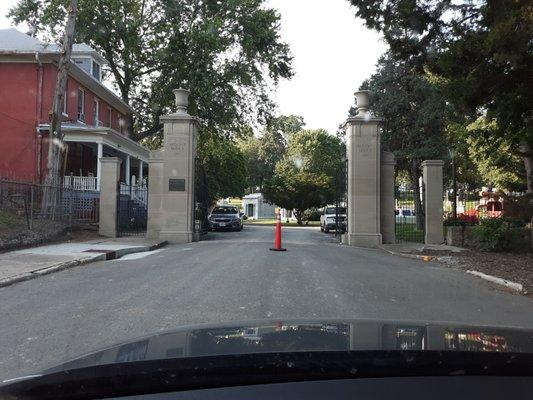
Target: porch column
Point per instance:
(99, 156)
(127, 172)
(140, 172)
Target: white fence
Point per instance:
(137, 192)
(81, 182)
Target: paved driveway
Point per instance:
(233, 276)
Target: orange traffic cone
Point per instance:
(277, 238)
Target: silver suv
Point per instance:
(332, 218)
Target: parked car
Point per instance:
(225, 218)
(405, 215)
(332, 218)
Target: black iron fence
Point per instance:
(36, 202)
(202, 199)
(470, 205)
(409, 214)
(132, 210)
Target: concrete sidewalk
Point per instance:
(21, 265)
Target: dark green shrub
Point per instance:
(498, 234)
(312, 215)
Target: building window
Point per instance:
(65, 99)
(96, 112)
(121, 123)
(81, 105)
(96, 71)
(109, 116)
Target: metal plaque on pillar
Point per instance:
(176, 185)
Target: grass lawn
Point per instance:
(272, 221)
(408, 233)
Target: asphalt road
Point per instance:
(233, 276)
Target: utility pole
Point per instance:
(55, 144)
(56, 136)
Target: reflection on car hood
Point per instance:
(223, 215)
(290, 336)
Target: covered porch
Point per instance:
(87, 145)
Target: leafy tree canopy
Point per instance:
(224, 166)
(226, 52)
(305, 177)
(479, 51)
(264, 152)
(414, 113)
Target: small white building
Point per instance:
(256, 207)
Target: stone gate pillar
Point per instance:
(387, 217)
(172, 177)
(363, 152)
(432, 178)
(110, 175)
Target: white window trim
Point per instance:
(65, 101)
(93, 61)
(96, 113)
(80, 89)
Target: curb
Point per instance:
(406, 255)
(500, 281)
(517, 287)
(74, 263)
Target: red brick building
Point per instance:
(94, 118)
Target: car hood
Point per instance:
(308, 335)
(224, 215)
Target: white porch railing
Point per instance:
(81, 182)
(138, 192)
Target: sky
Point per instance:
(333, 54)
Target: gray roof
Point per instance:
(253, 196)
(14, 41)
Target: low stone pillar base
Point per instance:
(363, 239)
(177, 237)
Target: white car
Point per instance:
(328, 219)
(405, 215)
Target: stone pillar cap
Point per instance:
(432, 163)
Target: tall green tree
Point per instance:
(265, 151)
(305, 177)
(224, 51)
(414, 115)
(224, 166)
(490, 162)
(481, 53)
(257, 170)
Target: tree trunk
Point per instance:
(414, 176)
(299, 216)
(55, 144)
(527, 155)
